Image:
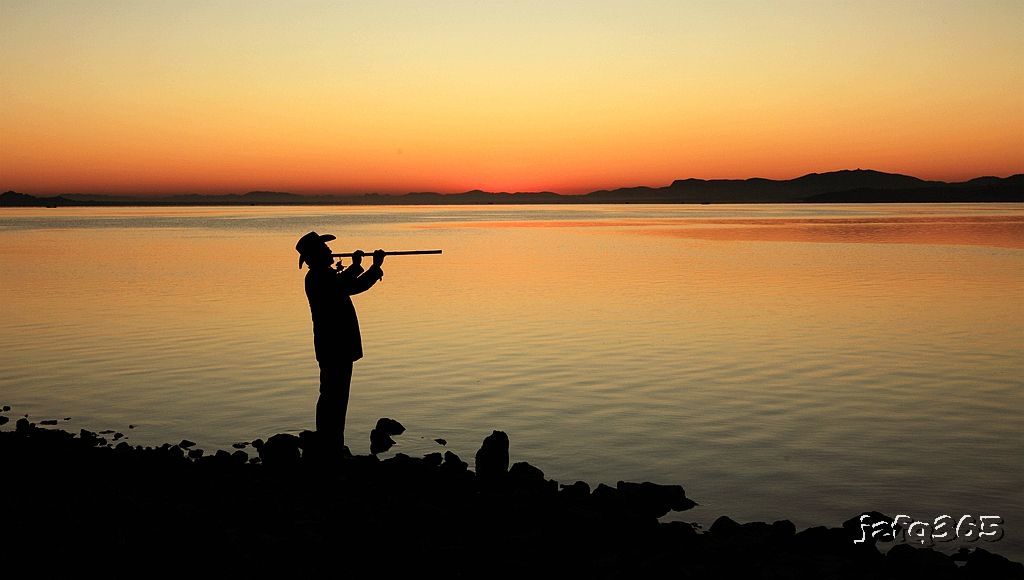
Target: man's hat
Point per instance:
(310, 243)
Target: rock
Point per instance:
(529, 479)
(239, 445)
(440, 441)
(389, 426)
(724, 527)
(981, 563)
(433, 459)
(88, 436)
(453, 464)
(524, 472)
(48, 422)
(318, 448)
(107, 432)
(578, 490)
(281, 450)
(380, 441)
(240, 457)
(195, 453)
(118, 435)
(23, 425)
(4, 420)
(308, 438)
(905, 561)
(783, 529)
(123, 447)
(185, 443)
(257, 443)
(492, 458)
(654, 499)
(682, 530)
(7, 408)
(67, 418)
(131, 426)
(605, 493)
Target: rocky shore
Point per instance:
(85, 502)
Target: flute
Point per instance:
(401, 253)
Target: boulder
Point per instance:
(492, 458)
(433, 459)
(981, 563)
(783, 529)
(380, 441)
(906, 561)
(88, 437)
(578, 490)
(524, 477)
(653, 499)
(389, 426)
(453, 464)
(281, 450)
(724, 527)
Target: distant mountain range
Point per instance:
(847, 186)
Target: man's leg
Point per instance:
(332, 406)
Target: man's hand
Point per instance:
(357, 257)
(378, 258)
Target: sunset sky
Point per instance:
(336, 96)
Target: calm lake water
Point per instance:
(779, 361)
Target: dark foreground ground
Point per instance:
(73, 503)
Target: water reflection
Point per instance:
(1003, 231)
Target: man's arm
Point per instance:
(355, 281)
(355, 268)
(366, 280)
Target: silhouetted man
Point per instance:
(336, 337)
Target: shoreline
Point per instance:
(298, 504)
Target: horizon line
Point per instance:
(480, 190)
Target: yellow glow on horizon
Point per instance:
(341, 97)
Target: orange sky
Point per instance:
(390, 96)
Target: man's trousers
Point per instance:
(331, 407)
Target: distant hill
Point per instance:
(846, 186)
(988, 189)
(759, 190)
(15, 199)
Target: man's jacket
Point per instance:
(335, 326)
